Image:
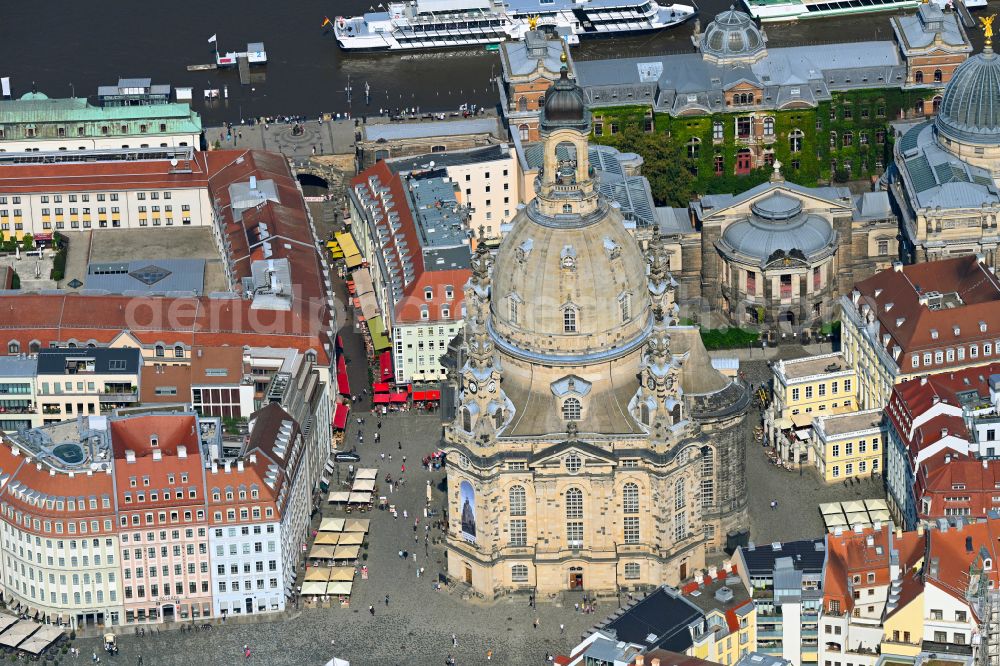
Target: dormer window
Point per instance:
(449, 292)
(154, 441)
(445, 312)
(424, 313)
(934, 334)
(956, 330)
(428, 293)
(982, 327)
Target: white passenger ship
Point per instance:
(431, 24)
(789, 10)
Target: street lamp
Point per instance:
(72, 91)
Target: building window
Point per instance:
(574, 517)
(517, 500)
(720, 165)
(512, 309)
(883, 248)
(519, 532)
(679, 494)
(625, 303)
(795, 140)
(573, 463)
(769, 126)
(519, 573)
(693, 147)
(631, 570)
(717, 131)
(571, 409)
(13, 348)
(630, 498)
(744, 126)
(569, 320)
(631, 529)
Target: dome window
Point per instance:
(569, 320)
(571, 410)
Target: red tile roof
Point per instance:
(894, 297)
(948, 478)
(949, 558)
(90, 176)
(410, 304)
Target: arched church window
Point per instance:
(574, 517)
(569, 320)
(498, 419)
(675, 414)
(522, 103)
(769, 126)
(517, 501)
(918, 77)
(567, 209)
(644, 413)
(571, 409)
(630, 498)
(466, 419)
(523, 131)
(512, 312)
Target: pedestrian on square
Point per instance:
(562, 628)
(387, 600)
(371, 609)
(454, 640)
(536, 623)
(400, 444)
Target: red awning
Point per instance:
(42, 237)
(385, 365)
(340, 416)
(418, 395)
(381, 398)
(380, 387)
(433, 395)
(341, 363)
(343, 385)
(398, 397)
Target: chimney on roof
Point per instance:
(923, 381)
(655, 661)
(200, 350)
(182, 451)
(157, 454)
(640, 660)
(253, 182)
(944, 432)
(129, 456)
(920, 529)
(855, 296)
(239, 465)
(225, 467)
(253, 458)
(897, 266)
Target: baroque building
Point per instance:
(738, 104)
(591, 444)
(946, 171)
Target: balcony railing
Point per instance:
(125, 396)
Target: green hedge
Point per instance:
(728, 338)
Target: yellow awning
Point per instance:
(353, 260)
(376, 328)
(347, 244)
(802, 420)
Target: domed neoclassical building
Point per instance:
(590, 442)
(947, 171)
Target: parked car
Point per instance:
(347, 456)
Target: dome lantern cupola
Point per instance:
(733, 37)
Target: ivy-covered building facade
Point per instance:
(735, 106)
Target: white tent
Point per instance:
(337, 662)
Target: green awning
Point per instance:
(377, 330)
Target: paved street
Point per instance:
(416, 626)
(798, 492)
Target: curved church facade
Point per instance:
(590, 442)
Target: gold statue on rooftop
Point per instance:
(987, 23)
(533, 22)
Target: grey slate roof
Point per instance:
(934, 177)
(523, 56)
(16, 366)
(918, 30)
(447, 159)
(429, 129)
(107, 361)
(688, 82)
(441, 222)
(809, 556)
(659, 621)
(146, 276)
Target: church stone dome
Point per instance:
(545, 270)
(565, 105)
(778, 223)
(733, 35)
(970, 108)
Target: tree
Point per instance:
(664, 165)
(27, 243)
